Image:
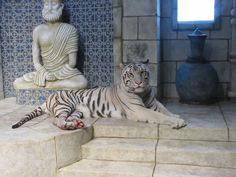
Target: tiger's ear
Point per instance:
(121, 65)
(145, 62)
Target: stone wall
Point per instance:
(176, 47)
(137, 35)
(1, 78)
(142, 29)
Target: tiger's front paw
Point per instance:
(176, 115)
(179, 123)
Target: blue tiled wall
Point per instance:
(92, 18)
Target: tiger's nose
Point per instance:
(138, 82)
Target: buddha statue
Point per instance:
(54, 50)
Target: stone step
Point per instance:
(97, 168)
(200, 127)
(200, 153)
(164, 170)
(120, 149)
(112, 128)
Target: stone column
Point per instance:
(137, 35)
(1, 77)
(232, 92)
(117, 39)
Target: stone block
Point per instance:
(1, 80)
(153, 74)
(138, 150)
(130, 28)
(117, 20)
(233, 79)
(158, 42)
(198, 128)
(117, 52)
(166, 29)
(139, 7)
(117, 74)
(231, 122)
(165, 170)
(159, 94)
(116, 3)
(225, 7)
(68, 146)
(229, 111)
(168, 70)
(98, 168)
(205, 123)
(225, 31)
(166, 8)
(169, 90)
(124, 129)
(216, 50)
(26, 153)
(147, 27)
(140, 51)
(176, 50)
(223, 70)
(6, 106)
(223, 89)
(219, 154)
(158, 30)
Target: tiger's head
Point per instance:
(135, 77)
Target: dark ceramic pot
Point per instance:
(197, 83)
(196, 80)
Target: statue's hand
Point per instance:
(50, 77)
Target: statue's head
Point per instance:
(52, 10)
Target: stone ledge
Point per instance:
(97, 168)
(36, 144)
(120, 149)
(124, 129)
(163, 170)
(199, 153)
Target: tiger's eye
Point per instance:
(127, 82)
(142, 73)
(131, 75)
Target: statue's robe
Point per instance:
(55, 59)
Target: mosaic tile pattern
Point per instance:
(92, 18)
(32, 96)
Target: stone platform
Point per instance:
(205, 148)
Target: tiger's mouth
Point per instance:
(139, 89)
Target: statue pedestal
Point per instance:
(28, 93)
(33, 96)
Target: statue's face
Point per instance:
(52, 10)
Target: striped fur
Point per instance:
(123, 101)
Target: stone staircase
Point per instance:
(120, 148)
(128, 149)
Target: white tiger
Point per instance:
(132, 99)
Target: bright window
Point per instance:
(195, 10)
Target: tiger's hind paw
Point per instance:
(72, 125)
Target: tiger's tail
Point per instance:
(37, 112)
